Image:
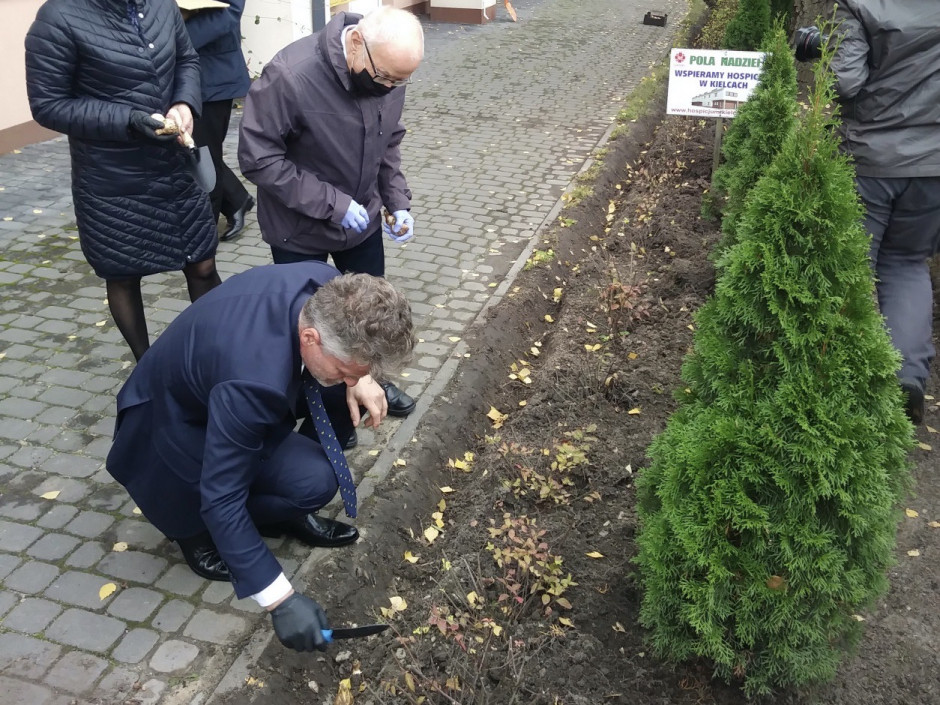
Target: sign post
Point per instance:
(711, 83)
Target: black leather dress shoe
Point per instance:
(399, 403)
(913, 402)
(313, 531)
(351, 442)
(203, 557)
(237, 222)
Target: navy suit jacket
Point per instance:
(216, 393)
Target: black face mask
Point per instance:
(362, 82)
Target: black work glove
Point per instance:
(144, 125)
(298, 623)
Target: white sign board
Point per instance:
(711, 83)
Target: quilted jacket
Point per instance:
(88, 64)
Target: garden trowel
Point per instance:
(200, 163)
(352, 632)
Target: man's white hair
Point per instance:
(386, 25)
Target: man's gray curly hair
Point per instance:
(362, 319)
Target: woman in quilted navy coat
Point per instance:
(96, 70)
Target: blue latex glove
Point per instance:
(404, 228)
(356, 218)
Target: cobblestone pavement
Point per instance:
(500, 118)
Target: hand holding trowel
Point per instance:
(300, 624)
(199, 158)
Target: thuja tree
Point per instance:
(769, 509)
(781, 9)
(755, 135)
(747, 28)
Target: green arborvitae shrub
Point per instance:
(769, 510)
(747, 28)
(781, 10)
(755, 136)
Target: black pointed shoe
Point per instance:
(237, 222)
(913, 402)
(313, 531)
(203, 557)
(399, 403)
(352, 441)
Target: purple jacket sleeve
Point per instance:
(267, 123)
(392, 185)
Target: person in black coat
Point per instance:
(216, 37)
(97, 70)
(205, 441)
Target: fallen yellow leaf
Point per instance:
(410, 557)
(398, 603)
(632, 356)
(409, 681)
(447, 490)
(931, 429)
(51, 495)
(934, 524)
(100, 323)
(618, 627)
(567, 622)
(454, 339)
(496, 416)
(549, 319)
(442, 505)
(400, 463)
(911, 513)
(136, 510)
(431, 533)
(556, 294)
(120, 546)
(635, 410)
(374, 451)
(594, 554)
(858, 618)
(254, 682)
(913, 553)
(924, 446)
(344, 693)
(106, 590)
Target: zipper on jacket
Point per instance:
(380, 120)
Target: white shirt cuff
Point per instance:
(273, 592)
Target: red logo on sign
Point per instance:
(680, 57)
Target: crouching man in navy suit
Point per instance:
(205, 439)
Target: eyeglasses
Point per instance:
(381, 78)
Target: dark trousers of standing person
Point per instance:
(903, 219)
(368, 257)
(210, 130)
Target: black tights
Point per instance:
(127, 304)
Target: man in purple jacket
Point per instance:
(320, 137)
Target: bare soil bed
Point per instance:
(580, 361)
